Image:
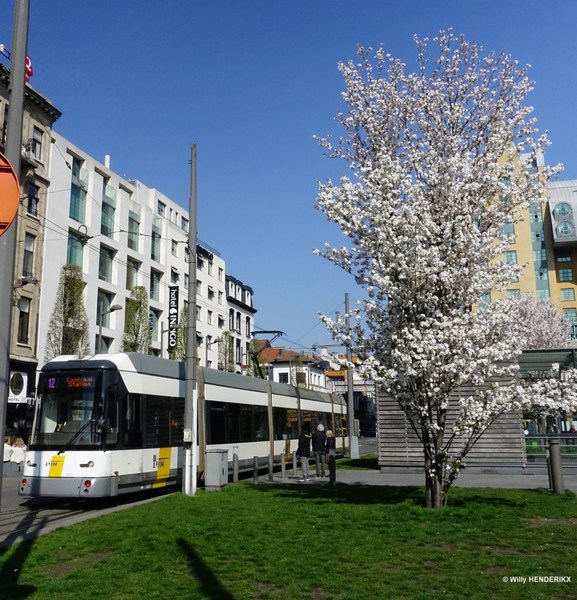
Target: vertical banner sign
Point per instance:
(172, 317)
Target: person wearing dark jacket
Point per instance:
(331, 448)
(304, 452)
(319, 441)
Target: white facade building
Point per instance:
(122, 234)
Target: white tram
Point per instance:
(113, 423)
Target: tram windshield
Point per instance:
(69, 410)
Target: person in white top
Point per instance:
(7, 451)
(18, 452)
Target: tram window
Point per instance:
(132, 430)
(285, 423)
(247, 429)
(260, 423)
(178, 422)
(233, 414)
(216, 423)
(157, 422)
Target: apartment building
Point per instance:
(39, 115)
(122, 233)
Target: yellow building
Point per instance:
(546, 243)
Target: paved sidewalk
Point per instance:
(474, 480)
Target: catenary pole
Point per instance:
(191, 400)
(8, 238)
(353, 439)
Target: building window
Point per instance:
(509, 232)
(75, 249)
(209, 317)
(199, 263)
(160, 209)
(174, 248)
(154, 317)
(155, 279)
(231, 319)
(565, 228)
(220, 297)
(28, 264)
(220, 321)
(563, 258)
(186, 280)
(513, 293)
(133, 226)
(511, 257)
(570, 314)
(103, 308)
(105, 265)
(562, 209)
(565, 274)
(543, 295)
(210, 293)
(238, 322)
(77, 192)
(484, 299)
(283, 378)
(107, 220)
(23, 320)
(174, 276)
(220, 273)
(198, 313)
(155, 246)
(132, 268)
(32, 208)
(567, 294)
(198, 288)
(210, 267)
(248, 332)
(184, 224)
(37, 144)
(238, 352)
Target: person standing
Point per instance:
(304, 452)
(7, 455)
(331, 449)
(319, 450)
(18, 456)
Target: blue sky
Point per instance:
(250, 82)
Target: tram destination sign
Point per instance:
(172, 316)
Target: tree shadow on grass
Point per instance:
(350, 494)
(210, 585)
(12, 567)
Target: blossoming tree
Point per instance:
(438, 160)
(542, 325)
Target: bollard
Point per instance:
(235, 468)
(270, 467)
(255, 469)
(556, 466)
(283, 466)
(295, 463)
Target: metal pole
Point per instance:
(255, 469)
(353, 439)
(283, 466)
(8, 238)
(556, 466)
(270, 467)
(190, 404)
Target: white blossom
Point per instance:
(436, 170)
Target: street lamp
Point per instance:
(208, 344)
(113, 308)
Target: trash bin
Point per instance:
(216, 475)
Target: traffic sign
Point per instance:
(9, 194)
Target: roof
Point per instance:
(280, 354)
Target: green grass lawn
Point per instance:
(314, 542)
